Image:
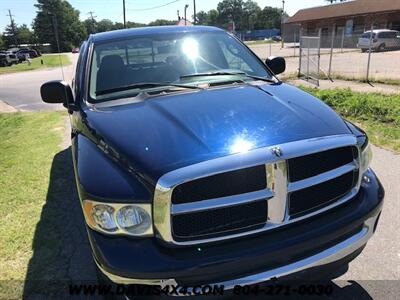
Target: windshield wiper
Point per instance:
(261, 78)
(216, 73)
(144, 85)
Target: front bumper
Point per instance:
(315, 242)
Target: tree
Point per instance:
(161, 22)
(2, 42)
(90, 26)
(213, 16)
(10, 35)
(210, 18)
(71, 31)
(131, 24)
(25, 35)
(105, 25)
(230, 10)
(251, 11)
(269, 17)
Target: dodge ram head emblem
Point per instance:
(277, 151)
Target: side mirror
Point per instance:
(57, 91)
(276, 64)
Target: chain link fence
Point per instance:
(309, 58)
(358, 56)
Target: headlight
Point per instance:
(366, 156)
(118, 218)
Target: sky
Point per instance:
(141, 11)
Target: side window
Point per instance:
(232, 55)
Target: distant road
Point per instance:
(22, 90)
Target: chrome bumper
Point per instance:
(332, 254)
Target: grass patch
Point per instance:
(49, 61)
(28, 144)
(389, 81)
(378, 114)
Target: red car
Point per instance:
(75, 50)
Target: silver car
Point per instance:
(382, 39)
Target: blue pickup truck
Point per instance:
(195, 165)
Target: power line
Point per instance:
(154, 7)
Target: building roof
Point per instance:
(345, 9)
(182, 22)
(140, 31)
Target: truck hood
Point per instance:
(167, 132)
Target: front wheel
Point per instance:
(381, 47)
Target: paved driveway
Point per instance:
(22, 90)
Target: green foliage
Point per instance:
(49, 61)
(130, 24)
(366, 106)
(209, 18)
(28, 144)
(25, 35)
(378, 114)
(105, 25)
(231, 10)
(16, 35)
(71, 31)
(10, 35)
(161, 22)
(247, 15)
(269, 17)
(2, 42)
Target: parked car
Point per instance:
(32, 53)
(5, 60)
(13, 57)
(277, 38)
(381, 40)
(196, 165)
(75, 50)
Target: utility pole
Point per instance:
(123, 3)
(283, 11)
(12, 24)
(179, 17)
(194, 12)
(186, 7)
(93, 21)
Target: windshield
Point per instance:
(178, 59)
(367, 35)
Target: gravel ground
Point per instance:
(352, 63)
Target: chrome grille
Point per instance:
(288, 195)
(221, 185)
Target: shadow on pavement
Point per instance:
(61, 251)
